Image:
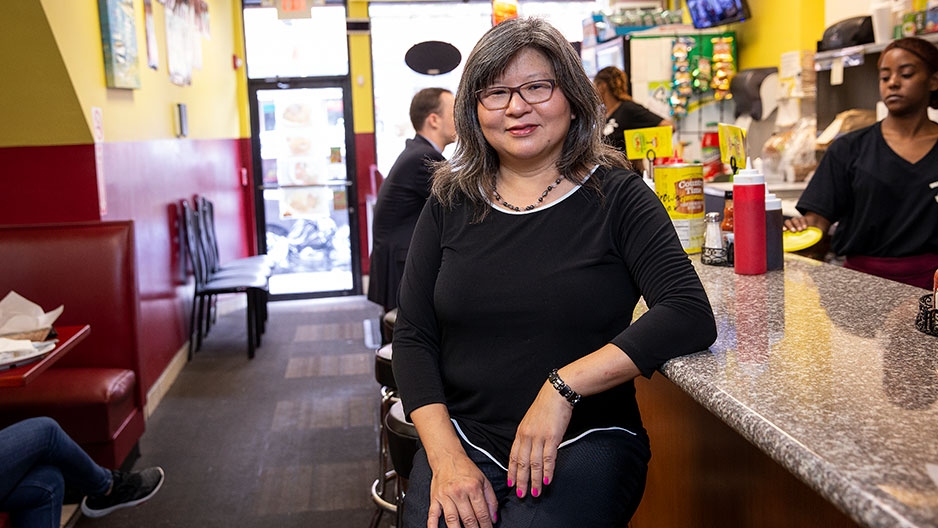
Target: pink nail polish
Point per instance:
(546, 481)
(520, 493)
(534, 492)
(510, 483)
(495, 517)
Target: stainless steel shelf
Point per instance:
(854, 55)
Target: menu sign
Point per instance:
(732, 145)
(650, 143)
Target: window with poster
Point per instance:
(303, 149)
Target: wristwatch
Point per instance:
(571, 395)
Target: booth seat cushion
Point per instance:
(91, 404)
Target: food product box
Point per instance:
(931, 20)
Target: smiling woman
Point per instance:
(528, 131)
(513, 352)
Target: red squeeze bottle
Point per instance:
(749, 216)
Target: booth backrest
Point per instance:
(89, 268)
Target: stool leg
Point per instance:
(379, 488)
(399, 500)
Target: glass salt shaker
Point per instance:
(713, 253)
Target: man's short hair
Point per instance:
(424, 103)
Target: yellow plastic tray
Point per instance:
(796, 241)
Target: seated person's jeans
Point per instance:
(37, 458)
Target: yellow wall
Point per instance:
(37, 100)
(776, 27)
(360, 70)
(241, 77)
(53, 49)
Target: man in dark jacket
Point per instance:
(405, 190)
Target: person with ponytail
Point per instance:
(622, 113)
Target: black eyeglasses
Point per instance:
(499, 97)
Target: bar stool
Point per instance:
(387, 325)
(402, 445)
(384, 374)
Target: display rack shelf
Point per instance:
(855, 55)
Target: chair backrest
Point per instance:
(208, 239)
(180, 259)
(194, 247)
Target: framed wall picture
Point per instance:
(119, 41)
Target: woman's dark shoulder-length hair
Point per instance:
(470, 172)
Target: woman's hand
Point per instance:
(461, 494)
(534, 451)
(459, 491)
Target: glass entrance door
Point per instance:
(305, 191)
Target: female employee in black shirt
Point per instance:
(514, 350)
(880, 183)
(622, 113)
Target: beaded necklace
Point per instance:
(529, 207)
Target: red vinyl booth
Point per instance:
(94, 391)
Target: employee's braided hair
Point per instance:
(925, 51)
(616, 80)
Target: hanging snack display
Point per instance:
(682, 80)
(702, 74)
(723, 66)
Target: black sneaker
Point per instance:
(128, 489)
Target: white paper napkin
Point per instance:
(15, 347)
(18, 314)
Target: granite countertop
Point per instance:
(823, 369)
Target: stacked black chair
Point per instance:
(258, 266)
(262, 264)
(209, 284)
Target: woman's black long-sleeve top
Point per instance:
(488, 309)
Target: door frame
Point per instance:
(260, 221)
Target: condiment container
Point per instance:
(774, 224)
(714, 253)
(680, 186)
(727, 225)
(749, 221)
